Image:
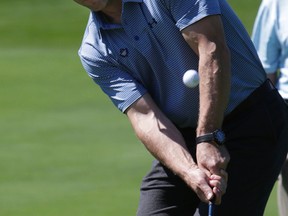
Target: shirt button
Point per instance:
(136, 37)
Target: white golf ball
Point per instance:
(191, 78)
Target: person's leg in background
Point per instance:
(282, 191)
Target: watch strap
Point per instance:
(218, 137)
(205, 138)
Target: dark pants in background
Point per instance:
(282, 189)
(257, 134)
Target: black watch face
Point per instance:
(220, 136)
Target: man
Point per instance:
(270, 36)
(138, 50)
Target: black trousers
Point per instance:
(257, 134)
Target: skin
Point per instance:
(207, 39)
(272, 77)
(111, 8)
(162, 139)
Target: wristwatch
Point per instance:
(218, 136)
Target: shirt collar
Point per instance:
(100, 22)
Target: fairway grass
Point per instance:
(64, 148)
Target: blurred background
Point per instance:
(64, 148)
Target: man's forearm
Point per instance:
(166, 143)
(159, 135)
(214, 87)
(206, 38)
(272, 77)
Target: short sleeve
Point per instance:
(120, 86)
(187, 12)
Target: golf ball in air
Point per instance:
(191, 78)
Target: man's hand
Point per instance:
(213, 160)
(200, 183)
(167, 145)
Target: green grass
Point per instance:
(64, 148)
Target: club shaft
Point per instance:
(210, 209)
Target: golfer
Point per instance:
(223, 140)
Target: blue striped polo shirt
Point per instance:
(147, 53)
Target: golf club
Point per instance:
(210, 208)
